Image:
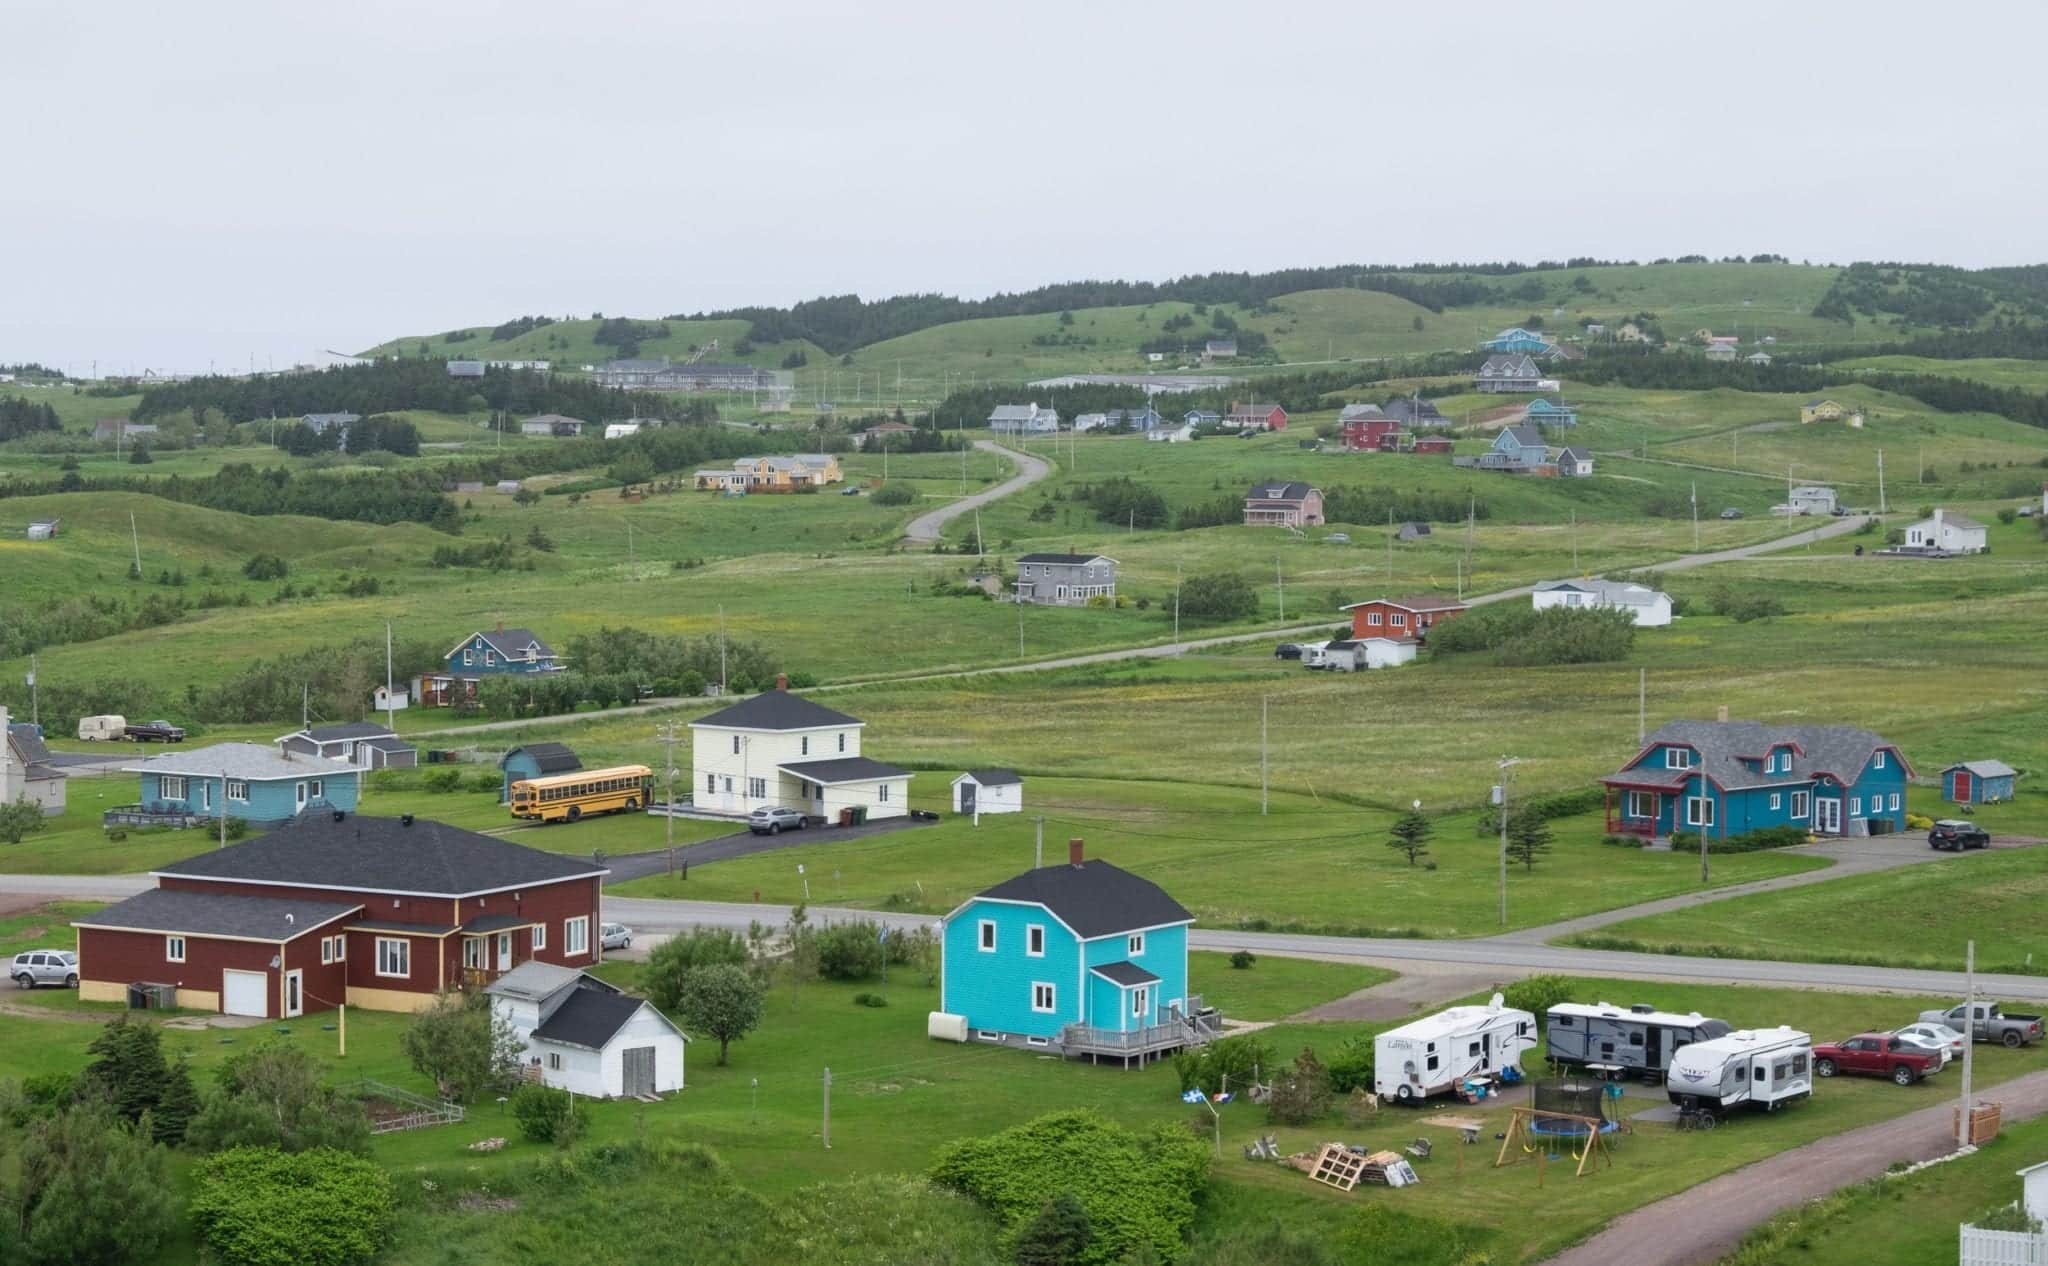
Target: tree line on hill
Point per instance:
(388, 386)
(392, 496)
(1933, 294)
(378, 433)
(19, 417)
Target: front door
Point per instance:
(299, 796)
(504, 951)
(726, 802)
(966, 797)
(1827, 816)
(1962, 786)
(1141, 1001)
(294, 996)
(1653, 1047)
(636, 1070)
(206, 796)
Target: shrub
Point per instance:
(720, 1001)
(1242, 960)
(92, 1191)
(1230, 1061)
(1301, 1093)
(1218, 596)
(865, 999)
(894, 494)
(1624, 841)
(1745, 607)
(1537, 994)
(1352, 1067)
(667, 965)
(20, 819)
(265, 567)
(445, 779)
(1521, 636)
(1138, 1190)
(486, 780)
(462, 1046)
(1058, 1236)
(271, 1096)
(850, 951)
(1787, 836)
(548, 1115)
(260, 1207)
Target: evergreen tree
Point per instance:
(1410, 834)
(129, 1073)
(1529, 837)
(176, 1107)
(1057, 1236)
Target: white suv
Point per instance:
(45, 967)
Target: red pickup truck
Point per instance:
(1876, 1055)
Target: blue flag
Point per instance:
(1192, 1096)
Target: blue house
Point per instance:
(535, 760)
(1080, 959)
(250, 781)
(1726, 778)
(1551, 413)
(499, 652)
(1977, 782)
(1201, 417)
(1519, 447)
(1517, 340)
(1140, 421)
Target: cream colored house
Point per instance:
(773, 474)
(780, 749)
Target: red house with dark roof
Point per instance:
(1400, 617)
(333, 908)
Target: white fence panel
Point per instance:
(2003, 1248)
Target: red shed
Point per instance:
(331, 908)
(1400, 617)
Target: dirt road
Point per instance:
(925, 528)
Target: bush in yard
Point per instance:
(668, 963)
(1057, 1236)
(1236, 1060)
(894, 494)
(1537, 994)
(271, 1096)
(1138, 1190)
(1301, 1093)
(486, 780)
(461, 1046)
(870, 1000)
(1242, 960)
(548, 1115)
(1745, 607)
(721, 1001)
(850, 951)
(1521, 636)
(1409, 836)
(445, 779)
(257, 1206)
(128, 1072)
(1787, 836)
(20, 820)
(1218, 596)
(1350, 1069)
(92, 1190)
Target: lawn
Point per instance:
(1918, 916)
(1274, 988)
(2029, 375)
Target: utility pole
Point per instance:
(35, 693)
(1390, 549)
(1264, 707)
(1575, 542)
(1880, 481)
(629, 549)
(1507, 773)
(390, 708)
(721, 650)
(1280, 579)
(135, 539)
(828, 1110)
(667, 734)
(1642, 706)
(1695, 516)
(1963, 1130)
(1038, 844)
(223, 807)
(1020, 629)
(1176, 602)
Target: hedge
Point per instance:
(257, 1206)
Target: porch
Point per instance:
(153, 815)
(1638, 812)
(1197, 1026)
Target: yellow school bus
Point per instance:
(572, 797)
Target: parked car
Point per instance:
(774, 820)
(849, 492)
(101, 729)
(45, 967)
(1987, 1022)
(1339, 538)
(1953, 835)
(156, 732)
(1877, 1055)
(1942, 1054)
(1731, 513)
(1940, 1035)
(615, 936)
(1287, 650)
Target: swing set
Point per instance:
(1561, 1113)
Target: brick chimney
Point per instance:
(782, 681)
(1074, 852)
(1721, 714)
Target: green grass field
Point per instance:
(2029, 375)
(1919, 916)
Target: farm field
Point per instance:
(2028, 375)
(1917, 917)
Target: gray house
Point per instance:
(364, 744)
(1023, 419)
(1508, 373)
(329, 421)
(1812, 499)
(1065, 580)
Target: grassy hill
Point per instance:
(572, 344)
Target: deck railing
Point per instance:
(403, 1110)
(1192, 1028)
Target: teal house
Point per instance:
(494, 653)
(1517, 340)
(535, 760)
(1078, 959)
(251, 781)
(1727, 778)
(1551, 413)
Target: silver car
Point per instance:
(773, 820)
(615, 936)
(45, 967)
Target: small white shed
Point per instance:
(1650, 608)
(586, 1036)
(988, 791)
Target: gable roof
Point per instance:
(591, 1017)
(1095, 898)
(28, 745)
(1279, 490)
(1513, 366)
(1984, 768)
(1412, 411)
(1410, 604)
(1127, 974)
(1525, 436)
(218, 914)
(1841, 751)
(1068, 559)
(1574, 453)
(537, 981)
(1018, 413)
(256, 762)
(1353, 412)
(1952, 519)
(843, 769)
(366, 854)
(992, 777)
(343, 730)
(1621, 591)
(549, 758)
(511, 643)
(776, 710)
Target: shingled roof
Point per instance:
(175, 911)
(1840, 751)
(776, 710)
(365, 854)
(1095, 898)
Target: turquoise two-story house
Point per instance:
(486, 653)
(1727, 778)
(1079, 959)
(251, 781)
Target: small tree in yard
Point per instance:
(462, 1045)
(1301, 1094)
(1218, 596)
(1057, 1236)
(721, 1001)
(674, 959)
(92, 1191)
(258, 1207)
(19, 820)
(1529, 837)
(1409, 836)
(271, 1096)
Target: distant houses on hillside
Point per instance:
(663, 375)
(1023, 419)
(1521, 450)
(1065, 580)
(554, 424)
(1283, 503)
(1509, 372)
(771, 474)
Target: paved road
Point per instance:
(1703, 1223)
(925, 528)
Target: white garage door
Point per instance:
(244, 993)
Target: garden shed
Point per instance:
(535, 760)
(988, 791)
(1977, 782)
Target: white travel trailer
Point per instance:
(1639, 1039)
(1433, 1055)
(1315, 654)
(1763, 1067)
(102, 729)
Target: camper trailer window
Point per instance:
(1635, 1039)
(1607, 1048)
(1780, 1069)
(1563, 1021)
(1522, 1028)
(1799, 1065)
(1758, 1072)
(1432, 1063)
(1472, 1048)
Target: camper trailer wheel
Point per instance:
(1405, 1094)
(1824, 1067)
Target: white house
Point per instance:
(620, 430)
(25, 769)
(364, 744)
(988, 791)
(1956, 533)
(1812, 499)
(1023, 419)
(1650, 607)
(1179, 433)
(586, 1036)
(780, 749)
(1352, 654)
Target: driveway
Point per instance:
(745, 843)
(1703, 1223)
(925, 528)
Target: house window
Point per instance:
(988, 936)
(540, 936)
(728, 784)
(326, 949)
(1895, 802)
(757, 788)
(473, 952)
(341, 949)
(1042, 996)
(174, 949)
(576, 935)
(1855, 806)
(1699, 811)
(171, 786)
(1642, 804)
(1398, 620)
(1038, 1041)
(1878, 760)
(490, 659)
(1034, 940)
(1799, 799)
(1372, 619)
(314, 788)
(466, 658)
(394, 956)
(555, 1061)
(735, 744)
(987, 1035)
(806, 744)
(1775, 798)
(1678, 758)
(1134, 945)
(238, 790)
(882, 793)
(842, 742)
(711, 784)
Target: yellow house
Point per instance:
(1821, 411)
(773, 474)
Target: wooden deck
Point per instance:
(1197, 1027)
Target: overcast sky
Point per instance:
(195, 184)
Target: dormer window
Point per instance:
(1678, 758)
(1878, 760)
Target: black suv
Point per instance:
(1953, 836)
(1287, 650)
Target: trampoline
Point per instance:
(1564, 1112)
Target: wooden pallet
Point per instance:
(1338, 1166)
